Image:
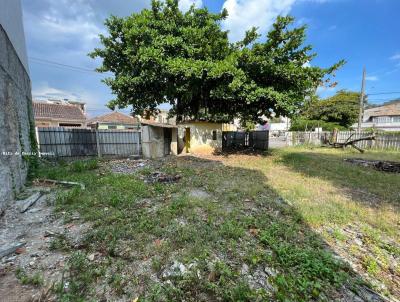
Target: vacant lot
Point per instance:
(293, 225)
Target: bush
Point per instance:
(311, 125)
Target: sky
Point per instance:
(60, 34)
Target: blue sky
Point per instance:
(363, 32)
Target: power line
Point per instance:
(63, 66)
(381, 93)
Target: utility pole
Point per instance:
(362, 97)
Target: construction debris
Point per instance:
(385, 166)
(162, 178)
(61, 182)
(27, 203)
(126, 166)
(11, 249)
(352, 143)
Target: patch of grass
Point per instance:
(265, 211)
(25, 279)
(60, 242)
(84, 165)
(79, 280)
(371, 265)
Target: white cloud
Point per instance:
(395, 57)
(44, 92)
(245, 14)
(185, 5)
(372, 78)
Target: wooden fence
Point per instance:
(75, 142)
(388, 141)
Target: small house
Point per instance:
(158, 139)
(59, 114)
(385, 117)
(114, 121)
(202, 136)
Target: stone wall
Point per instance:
(15, 120)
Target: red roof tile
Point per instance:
(58, 111)
(115, 118)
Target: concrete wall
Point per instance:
(152, 142)
(11, 21)
(15, 105)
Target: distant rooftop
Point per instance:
(114, 118)
(48, 110)
(385, 110)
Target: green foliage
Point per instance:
(84, 165)
(33, 158)
(163, 55)
(342, 109)
(81, 275)
(25, 279)
(60, 243)
(311, 125)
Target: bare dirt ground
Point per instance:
(30, 272)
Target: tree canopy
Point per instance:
(341, 109)
(162, 55)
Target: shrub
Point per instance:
(311, 125)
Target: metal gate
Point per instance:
(236, 140)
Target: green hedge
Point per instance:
(310, 125)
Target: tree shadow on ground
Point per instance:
(256, 227)
(365, 185)
(236, 241)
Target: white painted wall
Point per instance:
(201, 136)
(11, 21)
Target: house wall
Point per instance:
(119, 127)
(43, 123)
(380, 126)
(201, 136)
(15, 102)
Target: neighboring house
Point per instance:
(201, 136)
(275, 124)
(386, 118)
(59, 114)
(17, 128)
(280, 124)
(114, 120)
(161, 117)
(164, 118)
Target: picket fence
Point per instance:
(383, 141)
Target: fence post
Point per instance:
(98, 143)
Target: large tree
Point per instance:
(341, 109)
(162, 55)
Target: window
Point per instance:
(214, 134)
(69, 125)
(112, 127)
(382, 119)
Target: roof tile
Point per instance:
(58, 111)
